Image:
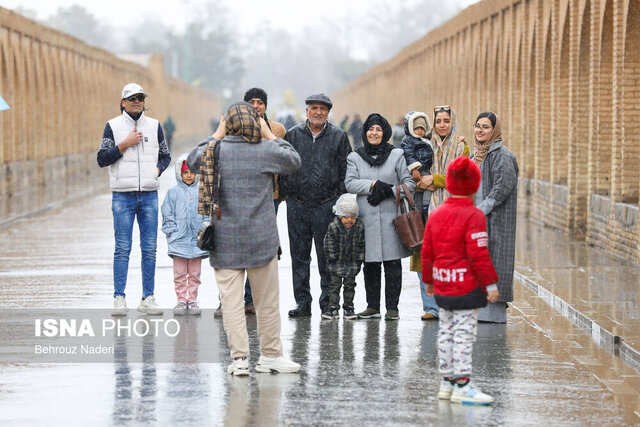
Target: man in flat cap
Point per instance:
(311, 193)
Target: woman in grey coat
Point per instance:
(373, 171)
(246, 233)
(497, 198)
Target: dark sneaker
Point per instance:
(349, 314)
(369, 313)
(301, 310)
(218, 313)
(249, 308)
(392, 315)
(330, 314)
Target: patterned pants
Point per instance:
(458, 330)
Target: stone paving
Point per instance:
(540, 368)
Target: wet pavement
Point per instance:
(540, 368)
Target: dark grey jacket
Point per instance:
(344, 248)
(247, 234)
(497, 198)
(324, 165)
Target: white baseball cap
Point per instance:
(132, 89)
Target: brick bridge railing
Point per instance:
(564, 76)
(62, 92)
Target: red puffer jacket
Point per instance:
(455, 255)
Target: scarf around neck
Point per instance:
(380, 151)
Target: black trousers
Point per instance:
(392, 283)
(308, 225)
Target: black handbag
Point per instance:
(206, 242)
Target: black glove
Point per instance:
(380, 191)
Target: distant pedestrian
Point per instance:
(457, 268)
(180, 223)
(344, 249)
(169, 129)
(134, 149)
(311, 193)
(344, 123)
(497, 198)
(373, 172)
(355, 131)
(398, 132)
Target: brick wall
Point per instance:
(564, 76)
(61, 93)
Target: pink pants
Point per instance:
(186, 277)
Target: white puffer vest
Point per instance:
(137, 170)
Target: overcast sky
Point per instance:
(283, 13)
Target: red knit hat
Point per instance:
(463, 177)
(184, 166)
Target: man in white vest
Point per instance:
(134, 149)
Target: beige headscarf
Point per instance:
(444, 151)
(481, 149)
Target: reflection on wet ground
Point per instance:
(598, 291)
(540, 369)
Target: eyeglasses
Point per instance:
(137, 97)
(445, 108)
(479, 126)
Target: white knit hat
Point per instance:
(346, 205)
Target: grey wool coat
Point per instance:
(247, 234)
(497, 197)
(381, 239)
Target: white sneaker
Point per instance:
(180, 309)
(193, 308)
(119, 306)
(239, 367)
(276, 365)
(470, 394)
(149, 306)
(445, 390)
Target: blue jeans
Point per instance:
(429, 304)
(126, 206)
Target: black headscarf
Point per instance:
(382, 150)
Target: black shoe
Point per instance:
(300, 311)
(331, 314)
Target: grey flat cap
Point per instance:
(319, 98)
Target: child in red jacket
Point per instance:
(457, 268)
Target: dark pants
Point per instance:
(308, 225)
(347, 294)
(248, 298)
(392, 283)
